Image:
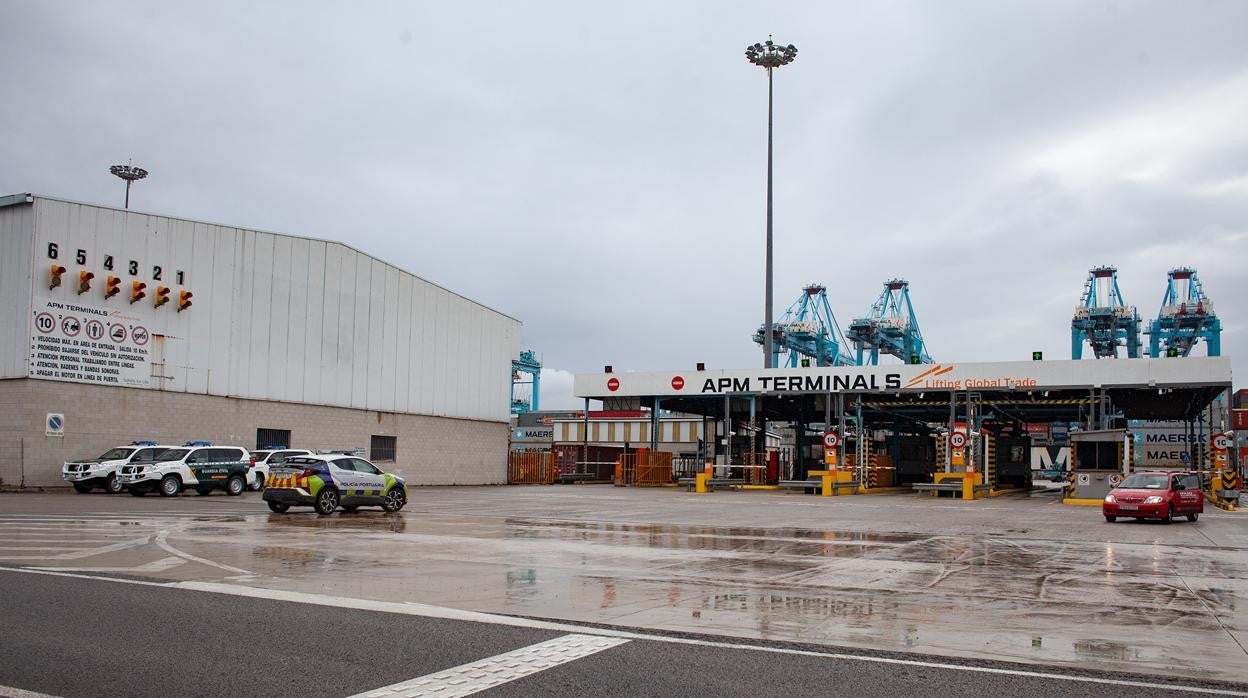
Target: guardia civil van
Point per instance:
(90, 473)
(197, 465)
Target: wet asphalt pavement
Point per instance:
(1015, 579)
(84, 637)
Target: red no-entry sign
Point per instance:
(957, 439)
(678, 383)
(613, 384)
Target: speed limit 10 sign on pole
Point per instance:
(957, 439)
(1221, 442)
(831, 439)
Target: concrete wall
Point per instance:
(431, 450)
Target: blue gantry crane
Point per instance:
(528, 364)
(1103, 319)
(1185, 318)
(891, 327)
(808, 328)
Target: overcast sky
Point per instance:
(598, 170)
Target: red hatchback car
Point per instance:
(1156, 495)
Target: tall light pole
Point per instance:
(130, 173)
(769, 56)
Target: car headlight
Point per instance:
(1110, 498)
(1153, 500)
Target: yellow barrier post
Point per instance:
(968, 488)
(828, 489)
(699, 483)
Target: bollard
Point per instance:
(968, 487)
(700, 482)
(828, 489)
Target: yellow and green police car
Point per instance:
(328, 481)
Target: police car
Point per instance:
(267, 458)
(196, 465)
(330, 480)
(86, 475)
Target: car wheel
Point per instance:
(170, 486)
(259, 486)
(1168, 518)
(1111, 519)
(203, 491)
(326, 501)
(1193, 517)
(279, 507)
(137, 492)
(394, 500)
(81, 488)
(235, 485)
(112, 485)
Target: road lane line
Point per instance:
(162, 539)
(467, 679)
(10, 692)
(429, 611)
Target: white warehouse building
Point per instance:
(265, 339)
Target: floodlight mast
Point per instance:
(769, 55)
(130, 173)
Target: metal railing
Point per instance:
(645, 469)
(531, 468)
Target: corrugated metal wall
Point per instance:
(278, 317)
(17, 223)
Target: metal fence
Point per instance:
(645, 469)
(531, 468)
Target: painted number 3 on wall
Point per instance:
(80, 256)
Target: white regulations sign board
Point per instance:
(88, 343)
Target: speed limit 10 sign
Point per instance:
(831, 439)
(1221, 442)
(957, 439)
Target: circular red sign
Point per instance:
(831, 439)
(678, 383)
(957, 439)
(613, 384)
(1221, 442)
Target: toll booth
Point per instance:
(1013, 466)
(913, 458)
(1098, 462)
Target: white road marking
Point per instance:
(467, 679)
(78, 553)
(428, 611)
(160, 565)
(10, 692)
(162, 539)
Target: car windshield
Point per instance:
(173, 454)
(302, 461)
(117, 454)
(1145, 482)
(260, 455)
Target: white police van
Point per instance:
(196, 465)
(267, 458)
(85, 475)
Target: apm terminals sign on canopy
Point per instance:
(84, 344)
